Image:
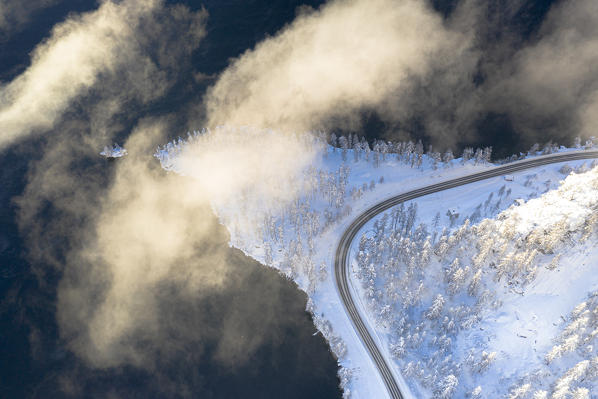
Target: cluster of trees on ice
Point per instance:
(424, 289)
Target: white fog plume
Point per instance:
(146, 233)
(91, 76)
(228, 162)
(330, 64)
(154, 229)
(402, 60)
(75, 57)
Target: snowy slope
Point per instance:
(535, 261)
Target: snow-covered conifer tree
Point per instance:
(436, 308)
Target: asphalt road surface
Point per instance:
(341, 262)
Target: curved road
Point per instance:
(341, 262)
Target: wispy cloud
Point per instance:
(152, 231)
(127, 238)
(551, 86)
(148, 231)
(329, 64)
(81, 52)
(95, 74)
(420, 73)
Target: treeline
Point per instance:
(411, 153)
(408, 153)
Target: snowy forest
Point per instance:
(428, 287)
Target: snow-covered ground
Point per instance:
(545, 268)
(298, 232)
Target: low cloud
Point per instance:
(129, 240)
(150, 229)
(538, 76)
(553, 88)
(152, 240)
(84, 56)
(231, 162)
(330, 64)
(422, 74)
(86, 220)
